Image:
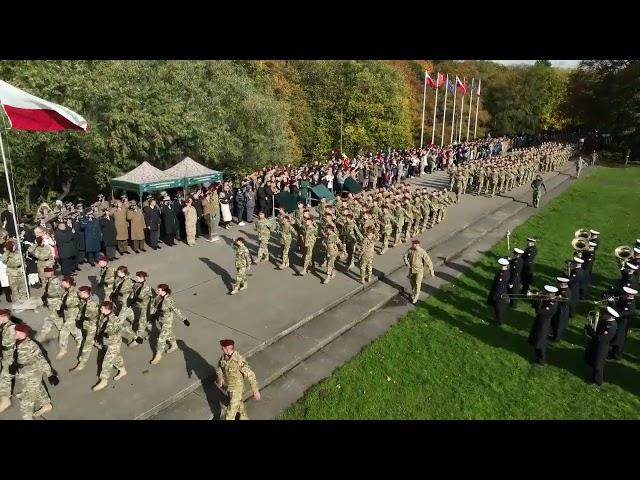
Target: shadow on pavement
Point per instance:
(221, 272)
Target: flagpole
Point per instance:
(435, 110)
(453, 111)
(464, 79)
(15, 219)
(424, 103)
(444, 113)
(470, 103)
(475, 127)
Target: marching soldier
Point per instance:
(11, 258)
(528, 258)
(110, 335)
(8, 340)
(580, 163)
(515, 268)
(231, 373)
(69, 308)
(538, 336)
(263, 227)
(107, 277)
(88, 318)
(310, 237)
(499, 288)
(367, 252)
(141, 295)
(416, 258)
(626, 307)
(334, 248)
(51, 298)
(597, 349)
(387, 228)
(164, 308)
(537, 184)
(243, 265)
(560, 320)
(286, 235)
(29, 367)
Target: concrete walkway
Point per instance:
(266, 320)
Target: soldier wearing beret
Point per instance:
(231, 373)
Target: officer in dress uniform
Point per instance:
(528, 257)
(515, 267)
(597, 349)
(538, 336)
(496, 297)
(626, 307)
(560, 320)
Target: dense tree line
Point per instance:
(237, 116)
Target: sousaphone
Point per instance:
(623, 253)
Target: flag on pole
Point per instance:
(451, 86)
(476, 92)
(28, 112)
(461, 86)
(437, 82)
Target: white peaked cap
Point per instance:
(636, 249)
(503, 261)
(551, 289)
(631, 266)
(578, 260)
(562, 279)
(629, 290)
(613, 312)
(518, 250)
(595, 232)
(593, 244)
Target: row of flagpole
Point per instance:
(459, 85)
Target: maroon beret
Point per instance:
(226, 343)
(24, 328)
(5, 312)
(85, 288)
(103, 259)
(48, 269)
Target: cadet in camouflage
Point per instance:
(231, 373)
(416, 258)
(110, 335)
(243, 265)
(164, 308)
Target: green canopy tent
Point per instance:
(145, 178)
(192, 173)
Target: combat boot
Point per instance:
(61, 354)
(157, 358)
(326, 280)
(243, 287)
(100, 385)
(5, 402)
(28, 416)
(234, 291)
(173, 348)
(46, 408)
(79, 367)
(121, 373)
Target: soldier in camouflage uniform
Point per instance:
(8, 341)
(367, 252)
(334, 248)
(243, 265)
(310, 237)
(30, 366)
(537, 185)
(350, 236)
(110, 336)
(299, 225)
(263, 227)
(88, 318)
(286, 234)
(416, 258)
(164, 308)
(11, 258)
(107, 277)
(231, 373)
(69, 306)
(387, 229)
(51, 299)
(408, 219)
(141, 297)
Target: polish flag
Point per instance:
(461, 86)
(28, 112)
(437, 82)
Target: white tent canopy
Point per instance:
(193, 173)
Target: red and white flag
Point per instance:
(28, 112)
(437, 82)
(461, 86)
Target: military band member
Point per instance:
(597, 349)
(497, 295)
(231, 373)
(88, 320)
(110, 336)
(576, 284)
(560, 320)
(515, 268)
(528, 258)
(416, 258)
(541, 328)
(626, 307)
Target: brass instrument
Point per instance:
(579, 244)
(623, 253)
(583, 233)
(592, 319)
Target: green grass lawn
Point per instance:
(443, 361)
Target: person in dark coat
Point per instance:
(92, 237)
(597, 349)
(153, 219)
(177, 205)
(626, 307)
(66, 243)
(576, 284)
(78, 233)
(262, 199)
(169, 221)
(241, 204)
(560, 320)
(109, 236)
(528, 257)
(250, 201)
(196, 199)
(498, 289)
(515, 268)
(589, 257)
(539, 334)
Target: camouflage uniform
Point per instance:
(107, 280)
(164, 308)
(387, 220)
(408, 215)
(69, 305)
(44, 258)
(141, 296)
(263, 227)
(120, 295)
(310, 237)
(334, 247)
(111, 337)
(416, 259)
(8, 345)
(52, 299)
(31, 365)
(88, 318)
(243, 263)
(367, 252)
(286, 234)
(14, 273)
(351, 235)
(233, 370)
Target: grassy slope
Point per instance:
(442, 361)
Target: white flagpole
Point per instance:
(444, 113)
(461, 110)
(435, 110)
(424, 102)
(15, 220)
(470, 103)
(453, 111)
(475, 127)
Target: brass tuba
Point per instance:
(580, 245)
(623, 253)
(583, 233)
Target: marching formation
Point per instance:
(607, 326)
